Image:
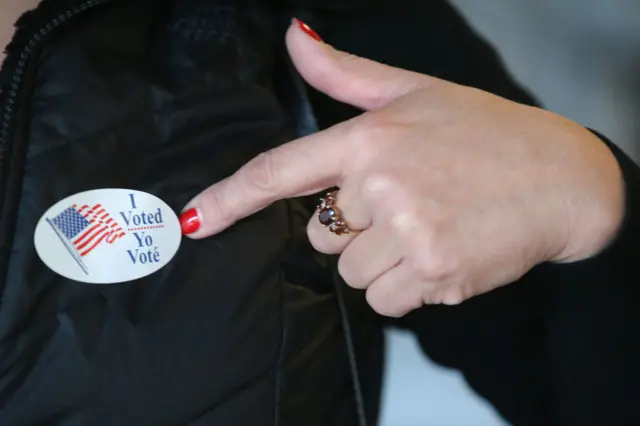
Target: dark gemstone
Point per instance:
(327, 216)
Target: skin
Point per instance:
(10, 11)
(455, 191)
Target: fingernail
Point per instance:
(190, 221)
(307, 29)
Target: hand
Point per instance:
(456, 191)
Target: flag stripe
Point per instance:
(91, 238)
(90, 230)
(87, 251)
(90, 235)
(113, 237)
(98, 226)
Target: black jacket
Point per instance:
(251, 327)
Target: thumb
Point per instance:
(360, 82)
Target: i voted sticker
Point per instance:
(108, 236)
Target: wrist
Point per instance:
(595, 205)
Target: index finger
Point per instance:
(301, 167)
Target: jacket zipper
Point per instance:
(9, 112)
(10, 120)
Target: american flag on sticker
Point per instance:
(82, 229)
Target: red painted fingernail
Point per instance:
(307, 29)
(190, 221)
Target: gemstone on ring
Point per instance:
(327, 216)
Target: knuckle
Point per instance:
(260, 173)
(454, 296)
(431, 257)
(381, 302)
(404, 221)
(392, 302)
(451, 293)
(434, 266)
(431, 263)
(429, 299)
(429, 293)
(368, 136)
(376, 185)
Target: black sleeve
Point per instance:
(426, 36)
(593, 324)
(559, 346)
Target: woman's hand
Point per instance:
(456, 191)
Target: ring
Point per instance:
(329, 216)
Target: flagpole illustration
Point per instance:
(70, 249)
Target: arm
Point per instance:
(565, 329)
(592, 323)
(456, 192)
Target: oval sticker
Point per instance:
(108, 236)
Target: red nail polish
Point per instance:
(307, 29)
(190, 221)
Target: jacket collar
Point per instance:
(29, 26)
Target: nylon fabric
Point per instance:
(167, 98)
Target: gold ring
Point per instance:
(330, 216)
